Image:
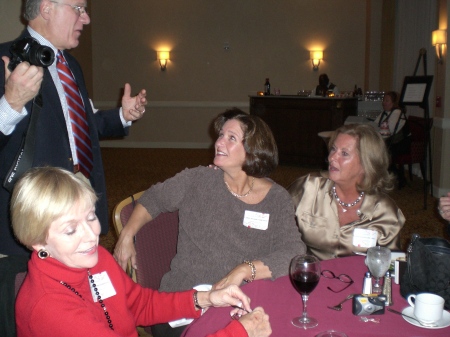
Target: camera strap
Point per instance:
(24, 157)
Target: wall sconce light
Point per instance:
(439, 39)
(163, 56)
(316, 56)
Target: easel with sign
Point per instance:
(415, 91)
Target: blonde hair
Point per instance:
(373, 155)
(40, 197)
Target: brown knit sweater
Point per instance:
(212, 239)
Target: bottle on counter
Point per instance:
(367, 284)
(267, 87)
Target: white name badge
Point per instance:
(365, 238)
(256, 220)
(103, 285)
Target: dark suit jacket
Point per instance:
(52, 146)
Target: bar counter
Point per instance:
(296, 121)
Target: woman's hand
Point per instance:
(235, 276)
(244, 272)
(229, 296)
(125, 250)
(256, 323)
(444, 207)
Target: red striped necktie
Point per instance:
(77, 114)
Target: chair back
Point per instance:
(155, 243)
(418, 127)
(20, 277)
(156, 246)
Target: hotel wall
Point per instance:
(265, 38)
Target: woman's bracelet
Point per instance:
(252, 266)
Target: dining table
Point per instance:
(282, 303)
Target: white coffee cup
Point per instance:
(428, 307)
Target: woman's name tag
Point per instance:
(365, 238)
(256, 220)
(103, 285)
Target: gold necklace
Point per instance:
(241, 195)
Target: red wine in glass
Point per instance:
(305, 282)
(304, 272)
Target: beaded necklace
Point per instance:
(99, 298)
(345, 204)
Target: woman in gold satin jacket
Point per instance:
(346, 209)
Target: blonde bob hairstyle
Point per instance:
(41, 196)
(373, 155)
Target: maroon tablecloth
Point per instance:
(282, 303)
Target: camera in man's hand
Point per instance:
(30, 50)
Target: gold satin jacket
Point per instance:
(318, 221)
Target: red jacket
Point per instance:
(45, 307)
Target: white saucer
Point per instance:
(442, 323)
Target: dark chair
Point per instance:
(420, 131)
(156, 243)
(418, 153)
(20, 277)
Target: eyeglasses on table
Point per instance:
(342, 277)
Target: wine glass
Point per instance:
(378, 260)
(304, 272)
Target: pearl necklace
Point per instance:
(343, 203)
(99, 298)
(241, 195)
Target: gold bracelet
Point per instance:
(252, 266)
(194, 295)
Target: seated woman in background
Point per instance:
(347, 209)
(235, 224)
(398, 138)
(53, 213)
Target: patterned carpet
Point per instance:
(132, 170)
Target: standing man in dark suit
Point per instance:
(57, 24)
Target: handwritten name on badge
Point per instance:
(104, 286)
(256, 220)
(364, 238)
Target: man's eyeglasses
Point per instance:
(342, 277)
(80, 10)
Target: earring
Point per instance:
(43, 254)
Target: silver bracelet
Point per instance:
(252, 266)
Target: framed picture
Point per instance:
(415, 90)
